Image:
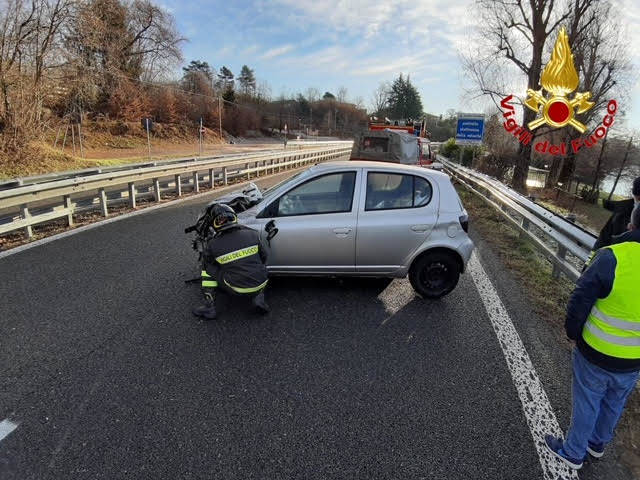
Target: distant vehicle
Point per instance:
(426, 155)
(386, 146)
(360, 218)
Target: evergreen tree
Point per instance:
(404, 99)
(328, 96)
(225, 79)
(197, 76)
(247, 80)
(229, 95)
(199, 66)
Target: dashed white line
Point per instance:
(535, 403)
(6, 427)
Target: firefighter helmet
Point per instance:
(223, 216)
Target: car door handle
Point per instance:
(420, 228)
(341, 231)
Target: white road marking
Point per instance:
(535, 403)
(6, 427)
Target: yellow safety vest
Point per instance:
(613, 326)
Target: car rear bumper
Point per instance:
(465, 249)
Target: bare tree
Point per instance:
(602, 60)
(359, 103)
(380, 99)
(513, 38)
(28, 37)
(312, 94)
(342, 95)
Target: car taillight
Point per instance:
(464, 222)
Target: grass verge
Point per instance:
(548, 298)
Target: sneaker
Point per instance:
(595, 450)
(208, 311)
(554, 445)
(260, 303)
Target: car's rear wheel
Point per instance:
(434, 274)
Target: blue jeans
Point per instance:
(599, 397)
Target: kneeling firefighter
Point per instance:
(234, 260)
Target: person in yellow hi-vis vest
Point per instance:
(603, 317)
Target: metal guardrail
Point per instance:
(48, 177)
(556, 237)
(54, 198)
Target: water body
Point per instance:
(623, 188)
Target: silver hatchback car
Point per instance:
(372, 219)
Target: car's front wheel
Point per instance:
(434, 274)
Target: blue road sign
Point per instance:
(470, 129)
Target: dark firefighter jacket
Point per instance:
(617, 223)
(594, 283)
(236, 258)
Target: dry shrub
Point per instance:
(129, 102)
(238, 120)
(495, 165)
(164, 105)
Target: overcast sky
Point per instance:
(296, 44)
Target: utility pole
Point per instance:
(624, 161)
(200, 137)
(220, 115)
(146, 121)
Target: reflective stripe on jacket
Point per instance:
(613, 325)
(237, 257)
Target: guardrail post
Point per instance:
(26, 215)
(212, 178)
(562, 252)
(257, 167)
(132, 195)
(225, 177)
(103, 202)
(156, 189)
(69, 207)
(196, 186)
(178, 185)
(246, 167)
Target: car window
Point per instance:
(422, 192)
(387, 191)
(331, 193)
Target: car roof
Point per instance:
(400, 167)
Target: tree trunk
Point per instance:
(521, 170)
(567, 170)
(624, 161)
(554, 172)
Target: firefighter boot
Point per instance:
(208, 310)
(260, 303)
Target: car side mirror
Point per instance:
(271, 224)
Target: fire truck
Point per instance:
(394, 141)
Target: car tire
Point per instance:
(434, 274)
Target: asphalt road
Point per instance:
(109, 376)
